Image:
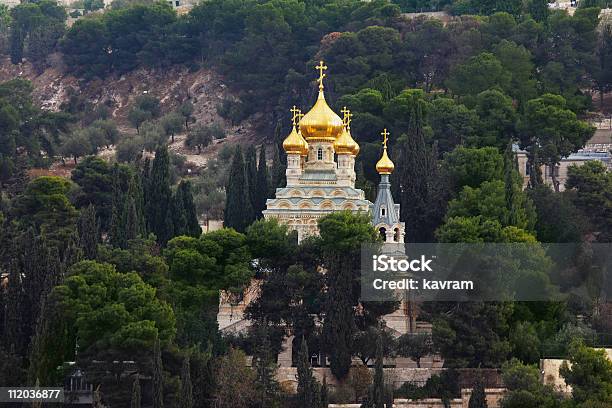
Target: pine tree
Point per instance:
(132, 217)
(238, 210)
(186, 392)
(136, 394)
(278, 169)
(250, 165)
(158, 378)
(478, 398)
(417, 180)
(159, 196)
(308, 395)
(262, 183)
(265, 369)
(89, 232)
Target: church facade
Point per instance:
(321, 175)
(321, 179)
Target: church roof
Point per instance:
(384, 200)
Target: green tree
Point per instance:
(136, 401)
(417, 179)
(478, 398)
(199, 137)
(186, 110)
(185, 217)
(342, 234)
(172, 123)
(550, 131)
(158, 197)
(415, 346)
(262, 183)
(236, 387)
(308, 394)
(589, 375)
(267, 388)
(591, 184)
(497, 119)
(525, 389)
(158, 376)
(479, 73)
(377, 396)
(76, 145)
(186, 391)
(471, 166)
(137, 117)
(452, 123)
(88, 229)
(45, 206)
(93, 176)
(238, 210)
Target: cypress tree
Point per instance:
(136, 394)
(262, 184)
(339, 323)
(377, 394)
(478, 398)
(186, 392)
(250, 165)
(264, 366)
(159, 196)
(89, 232)
(278, 169)
(324, 394)
(179, 215)
(158, 379)
(417, 180)
(307, 388)
(238, 208)
(510, 185)
(184, 212)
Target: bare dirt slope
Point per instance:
(172, 86)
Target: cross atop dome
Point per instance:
(321, 67)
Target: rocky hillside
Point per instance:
(172, 86)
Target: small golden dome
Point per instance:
(345, 144)
(295, 143)
(321, 123)
(385, 165)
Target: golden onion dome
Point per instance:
(345, 144)
(385, 165)
(321, 123)
(295, 143)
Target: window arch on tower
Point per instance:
(396, 234)
(320, 153)
(383, 233)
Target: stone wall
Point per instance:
(288, 375)
(494, 396)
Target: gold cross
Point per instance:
(321, 67)
(384, 134)
(347, 117)
(296, 112)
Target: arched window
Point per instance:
(396, 235)
(383, 233)
(383, 211)
(320, 154)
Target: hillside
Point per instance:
(204, 88)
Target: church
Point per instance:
(321, 179)
(321, 174)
